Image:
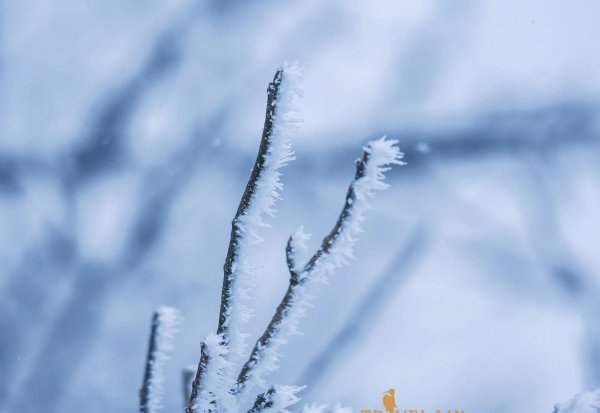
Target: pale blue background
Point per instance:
(127, 131)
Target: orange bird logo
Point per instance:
(389, 400)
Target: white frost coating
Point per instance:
(284, 397)
(216, 382)
(582, 403)
(299, 243)
(262, 203)
(286, 121)
(382, 153)
(168, 319)
(324, 408)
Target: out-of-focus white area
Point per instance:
(127, 132)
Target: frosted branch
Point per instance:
(210, 390)
(198, 379)
(258, 200)
(164, 323)
(335, 250)
(296, 242)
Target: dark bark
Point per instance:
(150, 360)
(198, 379)
(264, 401)
(291, 259)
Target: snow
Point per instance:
(216, 381)
(588, 402)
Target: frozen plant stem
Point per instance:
(259, 196)
(198, 379)
(145, 390)
(227, 347)
(164, 323)
(218, 386)
(335, 250)
(237, 230)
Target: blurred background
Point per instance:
(127, 132)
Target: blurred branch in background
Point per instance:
(26, 292)
(575, 282)
(364, 317)
(53, 300)
(544, 130)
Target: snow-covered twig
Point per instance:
(582, 403)
(296, 242)
(198, 379)
(213, 390)
(258, 200)
(276, 399)
(210, 390)
(335, 250)
(164, 323)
